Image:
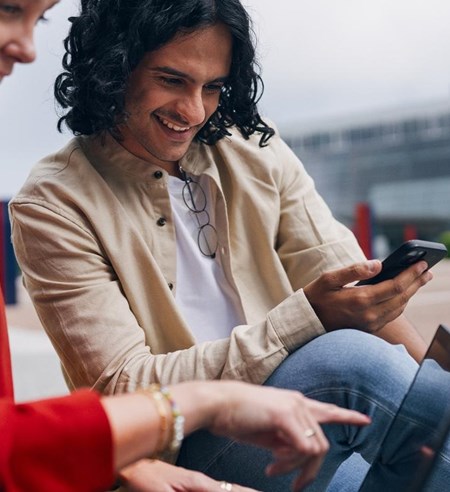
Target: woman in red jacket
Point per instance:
(82, 441)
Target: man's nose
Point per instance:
(191, 108)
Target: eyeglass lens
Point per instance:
(207, 240)
(194, 197)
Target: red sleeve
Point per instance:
(6, 384)
(56, 445)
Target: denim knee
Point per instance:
(348, 360)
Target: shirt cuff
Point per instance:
(295, 321)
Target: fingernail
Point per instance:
(373, 265)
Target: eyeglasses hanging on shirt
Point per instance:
(194, 197)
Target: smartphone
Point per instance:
(408, 253)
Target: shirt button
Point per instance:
(161, 221)
(170, 284)
(158, 174)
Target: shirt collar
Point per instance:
(108, 156)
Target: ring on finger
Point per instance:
(310, 432)
(226, 486)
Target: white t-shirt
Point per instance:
(204, 296)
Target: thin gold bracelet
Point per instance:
(171, 434)
(164, 437)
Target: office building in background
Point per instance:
(397, 161)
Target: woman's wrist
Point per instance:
(171, 421)
(199, 402)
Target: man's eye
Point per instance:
(171, 81)
(213, 87)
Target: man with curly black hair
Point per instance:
(109, 40)
(177, 237)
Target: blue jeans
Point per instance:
(348, 368)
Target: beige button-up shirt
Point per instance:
(93, 233)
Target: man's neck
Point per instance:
(172, 167)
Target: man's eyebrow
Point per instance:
(177, 73)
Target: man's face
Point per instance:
(173, 92)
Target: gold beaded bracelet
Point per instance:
(177, 434)
(170, 436)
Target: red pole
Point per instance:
(409, 232)
(363, 228)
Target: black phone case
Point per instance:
(404, 256)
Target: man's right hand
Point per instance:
(370, 307)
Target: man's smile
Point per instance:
(173, 126)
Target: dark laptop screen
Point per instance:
(427, 407)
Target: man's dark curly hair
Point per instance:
(109, 38)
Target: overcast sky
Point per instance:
(321, 59)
